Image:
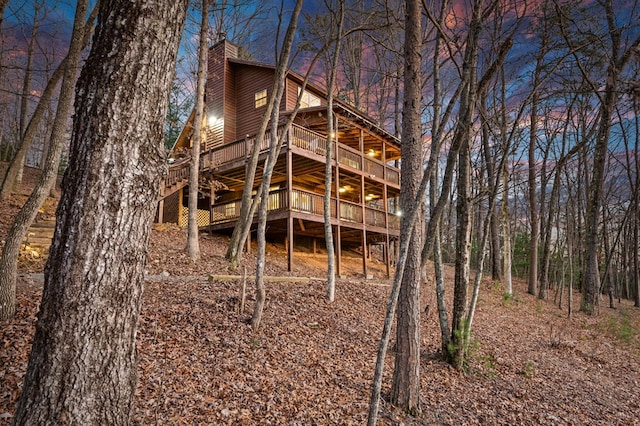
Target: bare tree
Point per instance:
(405, 389)
(406, 382)
(619, 56)
(33, 127)
(250, 204)
(82, 366)
(193, 246)
(26, 215)
(275, 146)
(328, 173)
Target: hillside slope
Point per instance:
(312, 361)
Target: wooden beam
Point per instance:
(218, 277)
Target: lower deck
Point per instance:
(298, 218)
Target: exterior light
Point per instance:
(371, 153)
(212, 120)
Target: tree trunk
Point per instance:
(274, 150)
(193, 245)
(533, 188)
(3, 5)
(328, 171)
(462, 132)
(249, 204)
(405, 390)
(443, 319)
(463, 251)
(506, 230)
(82, 366)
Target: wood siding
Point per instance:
(249, 81)
(220, 95)
(289, 101)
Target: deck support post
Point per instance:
(289, 165)
(387, 258)
(364, 254)
(161, 211)
(338, 251)
(290, 243)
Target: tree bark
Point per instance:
(459, 327)
(193, 245)
(533, 188)
(82, 366)
(328, 171)
(274, 150)
(405, 390)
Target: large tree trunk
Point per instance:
(193, 245)
(405, 391)
(82, 367)
(459, 327)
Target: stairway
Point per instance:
(38, 239)
(177, 178)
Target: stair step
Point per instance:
(39, 236)
(33, 240)
(41, 231)
(45, 224)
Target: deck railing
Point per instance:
(374, 217)
(310, 203)
(394, 221)
(309, 141)
(177, 173)
(350, 212)
(374, 168)
(350, 157)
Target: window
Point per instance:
(308, 99)
(261, 98)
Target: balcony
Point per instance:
(308, 142)
(311, 204)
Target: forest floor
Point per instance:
(311, 362)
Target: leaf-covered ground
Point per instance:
(312, 362)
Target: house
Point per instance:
(366, 179)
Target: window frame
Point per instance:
(260, 98)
